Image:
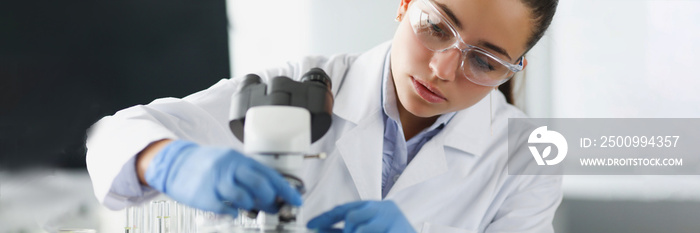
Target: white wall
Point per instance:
(618, 58)
(265, 33)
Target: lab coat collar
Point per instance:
(470, 129)
(359, 95)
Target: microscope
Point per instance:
(277, 122)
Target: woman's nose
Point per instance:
(446, 63)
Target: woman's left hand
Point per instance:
(363, 216)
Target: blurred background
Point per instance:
(66, 64)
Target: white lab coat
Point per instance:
(458, 182)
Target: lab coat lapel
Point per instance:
(467, 132)
(428, 163)
(470, 131)
(361, 149)
(358, 101)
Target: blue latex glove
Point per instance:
(217, 179)
(363, 216)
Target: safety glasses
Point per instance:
(438, 34)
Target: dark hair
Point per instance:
(542, 12)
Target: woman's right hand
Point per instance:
(214, 179)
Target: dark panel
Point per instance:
(65, 64)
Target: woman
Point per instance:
(413, 146)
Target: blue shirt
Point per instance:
(397, 152)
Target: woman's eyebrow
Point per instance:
(495, 48)
(450, 14)
(457, 23)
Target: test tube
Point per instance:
(160, 217)
(166, 217)
(128, 224)
(185, 218)
(156, 217)
(133, 220)
(145, 218)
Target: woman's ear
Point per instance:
(403, 7)
(524, 63)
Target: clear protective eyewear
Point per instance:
(438, 34)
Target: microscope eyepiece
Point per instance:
(317, 75)
(250, 79)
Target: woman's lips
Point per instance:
(427, 92)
